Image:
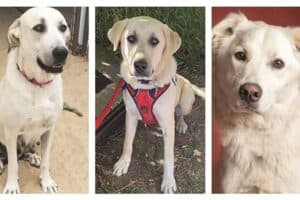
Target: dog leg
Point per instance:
(121, 167)
(181, 125)
(184, 108)
(12, 185)
(47, 183)
(168, 184)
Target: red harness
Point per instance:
(33, 80)
(145, 99)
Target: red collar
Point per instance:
(33, 80)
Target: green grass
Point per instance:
(188, 22)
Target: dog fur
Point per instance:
(26, 109)
(161, 69)
(260, 142)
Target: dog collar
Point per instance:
(33, 80)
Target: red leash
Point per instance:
(109, 105)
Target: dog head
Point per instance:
(256, 65)
(42, 34)
(145, 43)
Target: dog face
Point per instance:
(256, 65)
(43, 34)
(142, 46)
(145, 42)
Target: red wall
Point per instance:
(282, 16)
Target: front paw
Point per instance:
(168, 185)
(181, 127)
(121, 167)
(48, 185)
(12, 187)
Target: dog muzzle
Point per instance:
(50, 69)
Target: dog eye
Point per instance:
(39, 28)
(278, 64)
(131, 39)
(240, 55)
(62, 28)
(153, 41)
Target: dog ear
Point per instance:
(14, 34)
(173, 41)
(114, 34)
(295, 33)
(226, 28)
(228, 25)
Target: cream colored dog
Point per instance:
(257, 105)
(31, 89)
(147, 48)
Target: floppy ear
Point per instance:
(227, 27)
(114, 34)
(14, 34)
(295, 33)
(173, 41)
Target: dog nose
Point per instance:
(60, 54)
(140, 66)
(250, 92)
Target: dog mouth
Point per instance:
(143, 79)
(244, 107)
(54, 69)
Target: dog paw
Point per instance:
(2, 169)
(168, 185)
(181, 127)
(33, 159)
(121, 167)
(48, 185)
(12, 187)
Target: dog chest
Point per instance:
(266, 162)
(39, 116)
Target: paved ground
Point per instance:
(145, 172)
(69, 158)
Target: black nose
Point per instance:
(250, 92)
(140, 66)
(59, 54)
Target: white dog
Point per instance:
(257, 105)
(31, 90)
(149, 70)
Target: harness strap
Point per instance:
(148, 96)
(145, 100)
(109, 105)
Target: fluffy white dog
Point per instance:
(257, 105)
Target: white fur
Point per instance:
(260, 147)
(27, 109)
